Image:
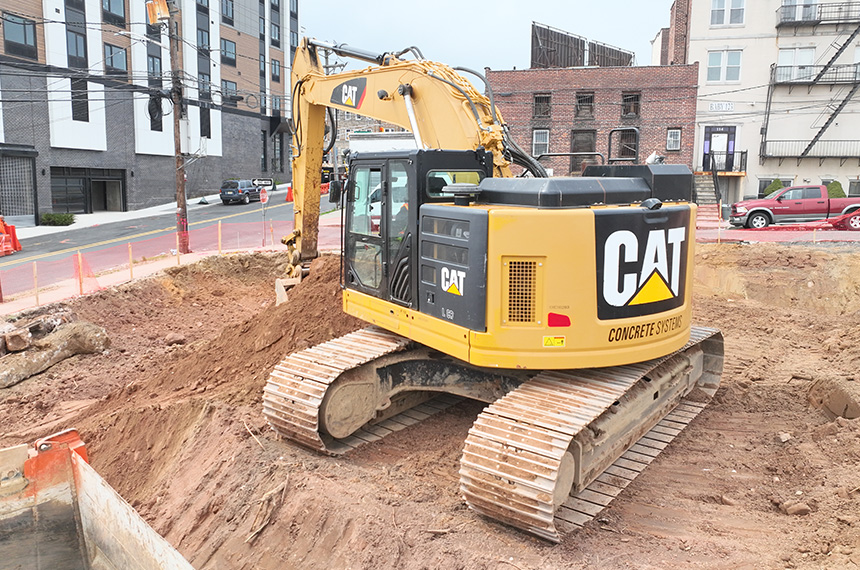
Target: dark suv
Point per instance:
(239, 191)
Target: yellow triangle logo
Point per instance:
(655, 289)
(453, 290)
(349, 102)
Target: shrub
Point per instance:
(834, 190)
(773, 187)
(57, 219)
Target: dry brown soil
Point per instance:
(172, 418)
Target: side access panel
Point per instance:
(452, 258)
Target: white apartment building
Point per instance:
(86, 120)
(778, 90)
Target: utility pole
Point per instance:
(178, 113)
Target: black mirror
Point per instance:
(334, 190)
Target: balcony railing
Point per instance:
(812, 13)
(821, 149)
(806, 74)
(725, 161)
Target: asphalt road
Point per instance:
(94, 238)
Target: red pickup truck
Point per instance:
(793, 204)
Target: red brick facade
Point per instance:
(666, 100)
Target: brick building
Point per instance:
(84, 122)
(574, 110)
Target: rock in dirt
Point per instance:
(836, 397)
(67, 340)
(795, 508)
(174, 338)
(18, 340)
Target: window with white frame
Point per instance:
(673, 139)
(795, 64)
(540, 142)
(727, 12)
(724, 65)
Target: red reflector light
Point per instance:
(557, 320)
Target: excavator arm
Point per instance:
(439, 106)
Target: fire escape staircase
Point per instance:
(834, 113)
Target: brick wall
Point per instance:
(667, 100)
(679, 32)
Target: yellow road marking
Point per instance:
(19, 260)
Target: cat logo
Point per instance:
(642, 263)
(350, 93)
(452, 281)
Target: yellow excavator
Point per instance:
(563, 303)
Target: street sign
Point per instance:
(264, 196)
(262, 181)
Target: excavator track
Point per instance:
(296, 389)
(551, 450)
(520, 456)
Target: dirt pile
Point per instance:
(171, 414)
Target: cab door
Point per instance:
(380, 229)
(364, 245)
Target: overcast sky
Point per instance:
(478, 34)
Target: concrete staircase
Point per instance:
(709, 211)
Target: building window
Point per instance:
(540, 142)
(795, 64)
(724, 65)
(276, 4)
(630, 104)
(203, 6)
(262, 28)
(541, 106)
(228, 93)
(727, 12)
(205, 123)
(854, 187)
(276, 70)
(584, 143)
(276, 104)
(263, 155)
(80, 101)
(203, 41)
(673, 139)
(262, 65)
(19, 35)
(115, 60)
(153, 68)
(276, 35)
(227, 12)
(76, 44)
(278, 151)
(585, 105)
(763, 184)
(294, 40)
(228, 52)
(113, 12)
(204, 86)
(629, 144)
(294, 6)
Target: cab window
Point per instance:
(438, 179)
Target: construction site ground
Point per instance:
(172, 417)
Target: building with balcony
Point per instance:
(778, 83)
(86, 116)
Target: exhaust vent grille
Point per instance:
(522, 290)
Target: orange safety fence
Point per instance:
(82, 272)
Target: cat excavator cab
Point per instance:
(563, 303)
